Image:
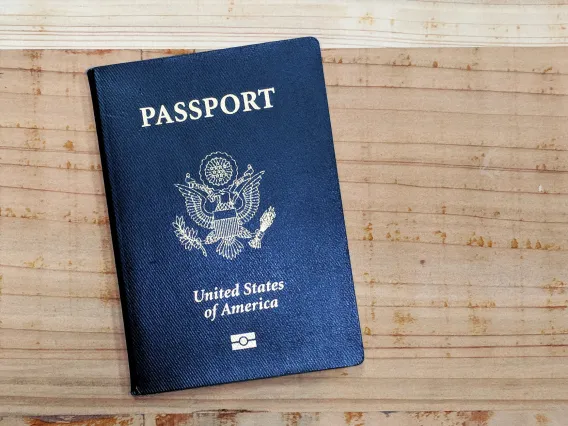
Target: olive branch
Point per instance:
(187, 236)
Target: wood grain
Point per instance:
(222, 23)
(253, 418)
(453, 173)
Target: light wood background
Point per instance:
(106, 24)
(453, 170)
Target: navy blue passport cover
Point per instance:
(226, 216)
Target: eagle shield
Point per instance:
(222, 202)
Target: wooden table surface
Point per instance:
(113, 24)
(453, 170)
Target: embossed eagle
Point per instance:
(223, 203)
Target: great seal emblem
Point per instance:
(222, 202)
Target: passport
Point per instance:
(226, 217)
